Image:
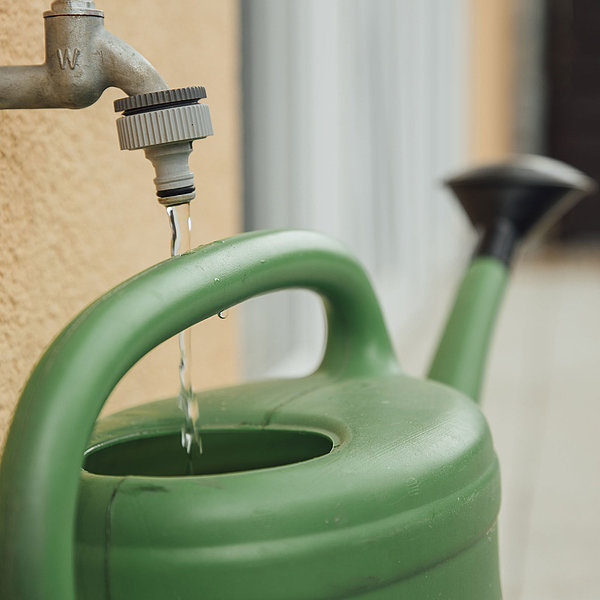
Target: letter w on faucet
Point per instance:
(68, 56)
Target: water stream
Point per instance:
(181, 227)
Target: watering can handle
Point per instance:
(39, 475)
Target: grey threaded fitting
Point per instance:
(164, 124)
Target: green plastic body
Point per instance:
(460, 358)
(367, 483)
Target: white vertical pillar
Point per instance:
(356, 109)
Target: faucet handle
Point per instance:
(509, 199)
(164, 123)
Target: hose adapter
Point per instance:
(164, 124)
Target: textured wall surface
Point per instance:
(77, 215)
(492, 50)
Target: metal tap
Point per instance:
(82, 60)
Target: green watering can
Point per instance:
(357, 481)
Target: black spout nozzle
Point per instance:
(506, 201)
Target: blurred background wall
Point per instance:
(342, 116)
(354, 112)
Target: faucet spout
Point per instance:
(82, 60)
(127, 69)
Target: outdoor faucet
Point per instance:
(82, 60)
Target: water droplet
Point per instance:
(222, 314)
(262, 260)
(217, 279)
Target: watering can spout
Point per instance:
(506, 202)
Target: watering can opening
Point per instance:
(224, 451)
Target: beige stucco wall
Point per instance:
(77, 215)
(492, 54)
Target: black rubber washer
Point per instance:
(176, 192)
